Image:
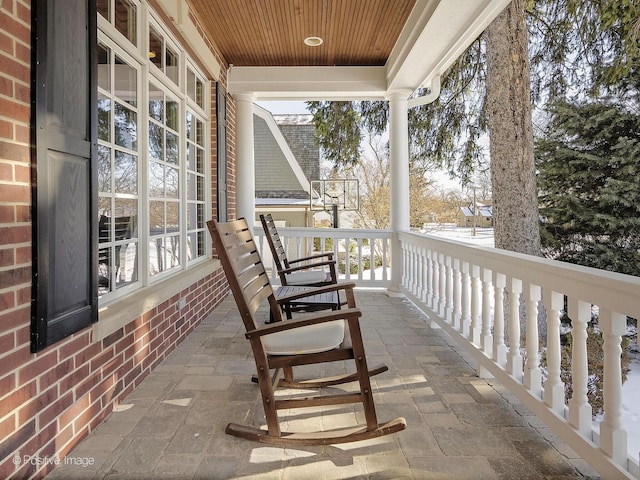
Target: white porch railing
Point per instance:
(356, 251)
(477, 295)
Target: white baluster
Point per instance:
(360, 266)
(442, 288)
(579, 409)
(465, 319)
(532, 373)
(419, 293)
(499, 347)
(457, 290)
(514, 358)
(554, 387)
(613, 437)
(436, 282)
(429, 278)
(449, 290)
(476, 298)
(347, 259)
(487, 337)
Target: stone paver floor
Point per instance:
(459, 425)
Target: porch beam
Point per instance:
(309, 83)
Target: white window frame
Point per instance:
(148, 72)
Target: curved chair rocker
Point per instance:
(299, 271)
(282, 345)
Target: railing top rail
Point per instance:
(607, 289)
(332, 232)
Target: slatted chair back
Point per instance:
(275, 244)
(244, 269)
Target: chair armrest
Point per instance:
(307, 266)
(313, 257)
(334, 287)
(303, 321)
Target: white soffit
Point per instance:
(435, 35)
(437, 32)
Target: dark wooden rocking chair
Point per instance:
(282, 345)
(301, 270)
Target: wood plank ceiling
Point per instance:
(272, 32)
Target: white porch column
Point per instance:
(245, 164)
(399, 158)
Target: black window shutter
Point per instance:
(64, 122)
(221, 118)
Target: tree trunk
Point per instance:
(515, 195)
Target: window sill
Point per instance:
(116, 315)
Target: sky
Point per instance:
(284, 107)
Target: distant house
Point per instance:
(286, 158)
(483, 215)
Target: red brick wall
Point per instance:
(49, 401)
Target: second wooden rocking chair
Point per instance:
(314, 270)
(282, 345)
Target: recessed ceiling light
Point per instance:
(313, 41)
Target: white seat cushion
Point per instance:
(306, 277)
(310, 339)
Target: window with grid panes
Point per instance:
(117, 165)
(153, 125)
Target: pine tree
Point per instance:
(589, 165)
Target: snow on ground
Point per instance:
(631, 408)
(481, 236)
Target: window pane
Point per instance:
(126, 127)
(125, 173)
(172, 148)
(189, 123)
(104, 214)
(126, 213)
(104, 118)
(156, 103)
(199, 94)
(191, 186)
(156, 141)
(172, 115)
(200, 164)
(104, 169)
(156, 218)
(191, 84)
(103, 8)
(173, 217)
(172, 185)
(191, 153)
(126, 264)
(155, 48)
(199, 133)
(104, 67)
(200, 188)
(156, 179)
(171, 65)
(192, 216)
(125, 19)
(200, 215)
(126, 87)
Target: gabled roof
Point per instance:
(483, 210)
(279, 174)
